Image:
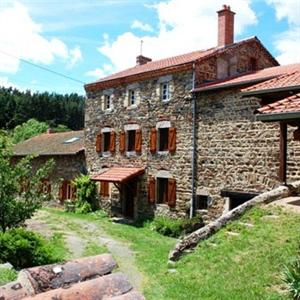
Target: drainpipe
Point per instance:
(194, 110)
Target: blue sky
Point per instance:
(88, 39)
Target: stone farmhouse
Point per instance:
(177, 136)
(66, 149)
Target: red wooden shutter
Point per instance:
(172, 139)
(73, 191)
(153, 140)
(112, 142)
(171, 192)
(138, 140)
(63, 190)
(122, 142)
(104, 189)
(151, 190)
(98, 142)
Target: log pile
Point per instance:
(87, 278)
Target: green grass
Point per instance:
(7, 276)
(247, 266)
(58, 247)
(93, 248)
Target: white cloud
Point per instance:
(142, 26)
(97, 73)
(21, 37)
(287, 44)
(75, 56)
(182, 28)
(4, 82)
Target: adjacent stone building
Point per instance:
(157, 144)
(67, 151)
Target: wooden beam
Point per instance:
(283, 152)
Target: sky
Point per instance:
(85, 40)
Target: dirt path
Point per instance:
(79, 233)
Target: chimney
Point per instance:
(225, 26)
(141, 60)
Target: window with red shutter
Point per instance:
(172, 139)
(138, 140)
(98, 142)
(151, 190)
(122, 142)
(162, 190)
(171, 192)
(112, 142)
(153, 140)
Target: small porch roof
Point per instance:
(118, 174)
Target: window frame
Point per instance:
(107, 102)
(163, 131)
(167, 93)
(132, 96)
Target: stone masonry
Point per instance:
(215, 167)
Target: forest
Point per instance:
(17, 107)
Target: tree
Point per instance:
(27, 130)
(20, 187)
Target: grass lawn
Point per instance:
(243, 266)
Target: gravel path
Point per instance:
(78, 233)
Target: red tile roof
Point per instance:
(152, 67)
(62, 143)
(283, 81)
(252, 77)
(118, 174)
(286, 105)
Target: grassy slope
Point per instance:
(247, 266)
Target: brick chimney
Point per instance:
(141, 60)
(225, 26)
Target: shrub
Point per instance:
(176, 227)
(86, 194)
(23, 249)
(83, 208)
(69, 205)
(291, 276)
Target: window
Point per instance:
(201, 202)
(131, 140)
(106, 141)
(67, 191)
(107, 102)
(165, 91)
(163, 139)
(132, 97)
(46, 186)
(162, 190)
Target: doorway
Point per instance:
(129, 195)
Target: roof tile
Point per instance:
(62, 143)
(289, 104)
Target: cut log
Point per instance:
(36, 280)
(103, 287)
(203, 233)
(133, 295)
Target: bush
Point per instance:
(291, 276)
(23, 249)
(86, 194)
(69, 205)
(83, 208)
(176, 227)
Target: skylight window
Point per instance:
(72, 140)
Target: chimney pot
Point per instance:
(225, 26)
(141, 60)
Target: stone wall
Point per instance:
(67, 167)
(147, 114)
(178, 113)
(235, 152)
